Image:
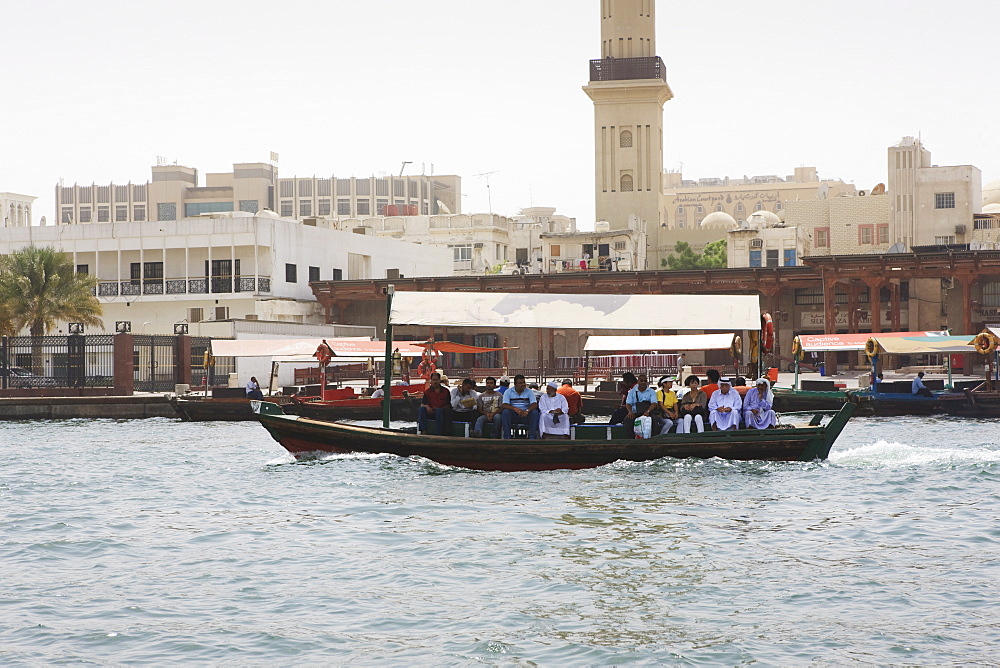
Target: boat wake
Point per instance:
(888, 454)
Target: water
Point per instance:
(156, 542)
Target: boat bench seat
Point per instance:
(598, 432)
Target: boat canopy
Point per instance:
(846, 342)
(678, 343)
(285, 348)
(923, 345)
(582, 311)
(461, 348)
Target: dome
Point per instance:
(991, 208)
(764, 218)
(718, 220)
(991, 193)
(267, 213)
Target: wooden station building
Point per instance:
(924, 290)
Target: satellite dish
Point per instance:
(975, 245)
(897, 248)
(879, 189)
(823, 192)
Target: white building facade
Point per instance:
(15, 210)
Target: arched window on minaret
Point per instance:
(625, 141)
(627, 184)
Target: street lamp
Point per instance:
(75, 328)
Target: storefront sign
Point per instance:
(816, 320)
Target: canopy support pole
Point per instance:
(387, 374)
(874, 385)
(270, 381)
(796, 373)
(586, 372)
(951, 384)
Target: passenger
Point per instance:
(378, 393)
(519, 407)
(537, 390)
(918, 388)
(758, 405)
(667, 401)
(253, 389)
(724, 407)
(488, 404)
(575, 402)
(554, 413)
(436, 403)
(693, 408)
(713, 383)
(463, 402)
(628, 381)
(641, 401)
(504, 385)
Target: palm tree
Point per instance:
(40, 287)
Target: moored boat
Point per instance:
(592, 447)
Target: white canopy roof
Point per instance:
(553, 311)
(284, 348)
(659, 343)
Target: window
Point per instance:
(866, 234)
(680, 211)
(700, 209)
(286, 209)
(755, 258)
(759, 207)
(778, 206)
(627, 183)
(84, 214)
(291, 273)
(380, 206)
(718, 207)
(249, 205)
(83, 269)
(363, 187)
(198, 208)
(139, 213)
(789, 257)
(883, 234)
(984, 223)
(67, 214)
(286, 188)
(555, 250)
(103, 214)
(166, 211)
(305, 208)
(305, 188)
(365, 207)
(809, 297)
(323, 188)
(313, 274)
(343, 207)
(121, 213)
(944, 241)
(399, 188)
(619, 245)
(944, 200)
(885, 296)
(772, 258)
(463, 252)
(147, 271)
(740, 208)
(338, 274)
(822, 237)
(323, 208)
(991, 294)
(84, 196)
(625, 141)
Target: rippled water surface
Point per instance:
(156, 542)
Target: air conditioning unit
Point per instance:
(251, 316)
(196, 314)
(756, 243)
(960, 229)
(222, 313)
(477, 245)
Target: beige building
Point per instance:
(15, 210)
(174, 193)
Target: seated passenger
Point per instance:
(488, 404)
(918, 388)
(641, 401)
(553, 410)
(693, 409)
(574, 400)
(253, 389)
(667, 402)
(519, 407)
(436, 403)
(628, 381)
(724, 407)
(463, 402)
(713, 383)
(758, 406)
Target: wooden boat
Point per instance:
(892, 404)
(303, 436)
(792, 400)
(979, 402)
(213, 409)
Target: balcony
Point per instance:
(182, 286)
(628, 69)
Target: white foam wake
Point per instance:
(891, 454)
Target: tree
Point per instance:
(40, 287)
(714, 257)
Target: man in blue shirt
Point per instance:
(519, 407)
(641, 400)
(918, 388)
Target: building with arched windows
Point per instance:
(15, 210)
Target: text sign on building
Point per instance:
(816, 320)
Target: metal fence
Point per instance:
(28, 362)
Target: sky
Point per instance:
(94, 92)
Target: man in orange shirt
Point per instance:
(713, 383)
(575, 402)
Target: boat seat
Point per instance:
(598, 432)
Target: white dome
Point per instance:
(991, 208)
(764, 218)
(718, 220)
(267, 213)
(991, 193)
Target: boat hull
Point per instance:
(305, 436)
(790, 401)
(355, 409)
(212, 410)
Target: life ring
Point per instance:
(426, 368)
(323, 354)
(871, 348)
(984, 343)
(737, 348)
(766, 334)
(797, 352)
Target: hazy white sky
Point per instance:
(95, 91)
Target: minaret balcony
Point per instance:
(628, 69)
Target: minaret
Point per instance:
(628, 86)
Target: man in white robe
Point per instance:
(724, 407)
(758, 406)
(554, 411)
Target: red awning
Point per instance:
(449, 347)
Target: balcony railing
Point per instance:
(181, 286)
(628, 69)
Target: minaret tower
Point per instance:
(628, 86)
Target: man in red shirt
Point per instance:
(436, 403)
(713, 383)
(574, 400)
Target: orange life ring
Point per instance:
(984, 343)
(323, 354)
(871, 348)
(797, 352)
(426, 368)
(737, 348)
(767, 333)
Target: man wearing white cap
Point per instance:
(724, 407)
(554, 410)
(758, 405)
